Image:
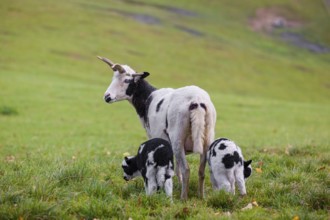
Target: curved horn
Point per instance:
(106, 60)
(114, 67)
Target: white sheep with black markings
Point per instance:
(185, 117)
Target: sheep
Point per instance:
(154, 161)
(227, 166)
(185, 117)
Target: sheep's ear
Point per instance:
(138, 76)
(247, 163)
(119, 68)
(126, 159)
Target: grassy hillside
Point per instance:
(61, 146)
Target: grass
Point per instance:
(61, 146)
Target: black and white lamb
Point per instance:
(154, 161)
(227, 166)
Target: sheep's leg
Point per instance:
(179, 129)
(184, 168)
(178, 172)
(201, 174)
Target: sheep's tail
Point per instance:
(198, 113)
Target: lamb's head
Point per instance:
(130, 168)
(247, 169)
(123, 82)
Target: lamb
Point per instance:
(154, 161)
(227, 166)
(185, 117)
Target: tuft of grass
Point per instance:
(71, 173)
(222, 200)
(7, 111)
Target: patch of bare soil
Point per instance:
(267, 19)
(286, 22)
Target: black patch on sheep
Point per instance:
(214, 153)
(229, 160)
(131, 87)
(193, 106)
(163, 155)
(142, 97)
(145, 179)
(167, 176)
(159, 104)
(166, 133)
(203, 106)
(149, 163)
(216, 142)
(222, 146)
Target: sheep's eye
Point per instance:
(128, 80)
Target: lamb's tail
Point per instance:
(198, 121)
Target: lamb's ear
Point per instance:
(138, 76)
(247, 163)
(126, 159)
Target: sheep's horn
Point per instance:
(114, 67)
(106, 60)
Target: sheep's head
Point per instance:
(123, 81)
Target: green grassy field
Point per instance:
(61, 146)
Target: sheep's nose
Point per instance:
(107, 98)
(125, 178)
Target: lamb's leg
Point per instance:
(222, 181)
(213, 181)
(239, 175)
(151, 186)
(161, 176)
(168, 186)
(151, 181)
(231, 178)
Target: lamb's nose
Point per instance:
(107, 98)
